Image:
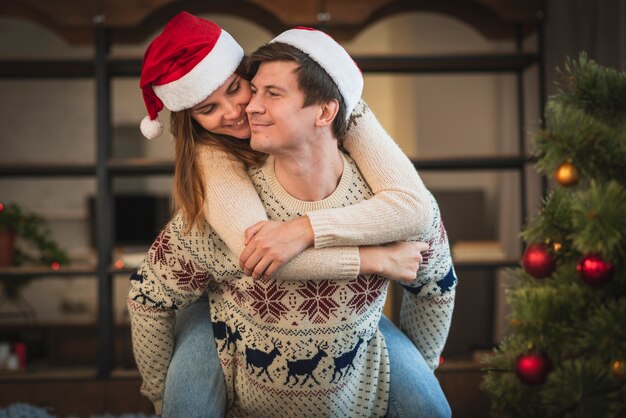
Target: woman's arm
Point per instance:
(232, 205)
(399, 208)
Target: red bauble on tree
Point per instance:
(532, 367)
(537, 261)
(594, 270)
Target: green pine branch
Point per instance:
(580, 328)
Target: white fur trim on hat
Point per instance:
(332, 57)
(151, 128)
(204, 78)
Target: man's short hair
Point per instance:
(318, 87)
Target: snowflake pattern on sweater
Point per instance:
(312, 345)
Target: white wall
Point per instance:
(428, 115)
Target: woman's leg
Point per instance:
(414, 390)
(195, 385)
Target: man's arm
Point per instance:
(399, 208)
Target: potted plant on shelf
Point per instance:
(25, 239)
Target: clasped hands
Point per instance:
(270, 244)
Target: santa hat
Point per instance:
(332, 57)
(182, 66)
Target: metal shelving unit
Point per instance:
(106, 168)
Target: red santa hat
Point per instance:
(332, 57)
(183, 65)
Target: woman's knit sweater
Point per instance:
(288, 347)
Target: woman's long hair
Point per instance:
(189, 196)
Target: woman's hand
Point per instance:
(398, 261)
(270, 244)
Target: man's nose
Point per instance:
(255, 105)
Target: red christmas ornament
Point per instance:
(532, 368)
(537, 261)
(595, 271)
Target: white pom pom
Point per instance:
(151, 128)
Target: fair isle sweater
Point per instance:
(287, 347)
(399, 208)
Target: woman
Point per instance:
(210, 127)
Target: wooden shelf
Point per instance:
(479, 63)
(37, 271)
(140, 166)
(66, 373)
(38, 169)
(504, 162)
(42, 272)
(89, 373)
(483, 63)
(486, 265)
(145, 166)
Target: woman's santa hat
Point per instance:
(332, 57)
(187, 62)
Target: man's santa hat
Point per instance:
(332, 57)
(187, 62)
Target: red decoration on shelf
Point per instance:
(55, 265)
(532, 368)
(595, 271)
(537, 261)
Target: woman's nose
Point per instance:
(231, 110)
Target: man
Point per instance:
(293, 348)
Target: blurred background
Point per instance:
(459, 84)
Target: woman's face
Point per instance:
(224, 111)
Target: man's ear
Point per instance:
(328, 112)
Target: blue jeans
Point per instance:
(195, 385)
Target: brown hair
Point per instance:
(318, 87)
(188, 193)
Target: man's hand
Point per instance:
(398, 261)
(270, 244)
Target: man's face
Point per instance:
(278, 122)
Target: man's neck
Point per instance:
(310, 173)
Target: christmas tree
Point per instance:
(566, 351)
